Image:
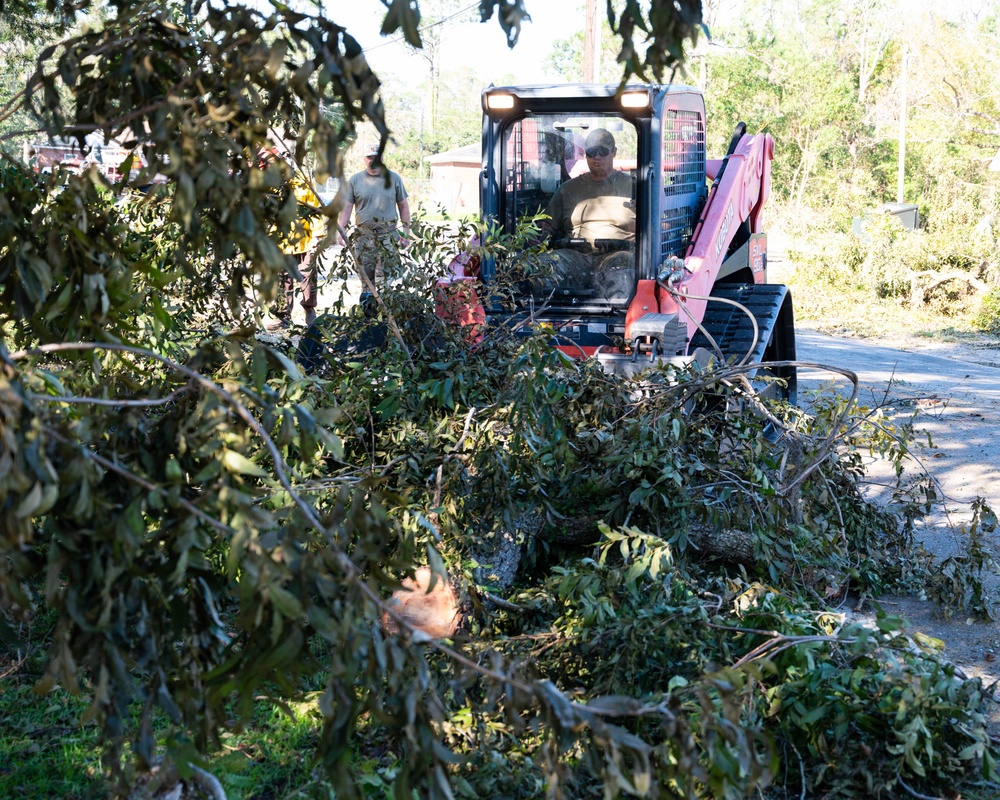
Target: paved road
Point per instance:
(958, 403)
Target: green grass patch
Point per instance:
(46, 752)
(271, 757)
(44, 749)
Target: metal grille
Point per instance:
(675, 231)
(683, 152)
(683, 178)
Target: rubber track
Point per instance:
(731, 328)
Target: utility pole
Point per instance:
(591, 43)
(420, 140)
(901, 173)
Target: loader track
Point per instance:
(733, 332)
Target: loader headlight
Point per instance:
(499, 102)
(635, 100)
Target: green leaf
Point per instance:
(61, 302)
(813, 715)
(30, 502)
(286, 603)
(184, 199)
(619, 705)
(258, 362)
(239, 463)
(288, 365)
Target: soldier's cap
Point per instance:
(599, 137)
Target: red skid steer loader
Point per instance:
(657, 251)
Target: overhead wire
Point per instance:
(428, 26)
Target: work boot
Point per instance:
(276, 324)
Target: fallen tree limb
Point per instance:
(920, 292)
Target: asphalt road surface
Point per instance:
(957, 402)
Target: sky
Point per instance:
(485, 43)
(484, 47)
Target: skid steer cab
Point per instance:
(656, 250)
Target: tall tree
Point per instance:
(871, 26)
(21, 38)
(435, 18)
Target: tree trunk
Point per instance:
(730, 544)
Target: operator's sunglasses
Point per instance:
(598, 152)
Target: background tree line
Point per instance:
(824, 77)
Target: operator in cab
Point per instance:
(592, 225)
(597, 204)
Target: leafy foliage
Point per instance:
(21, 35)
(209, 525)
(938, 274)
(197, 546)
(956, 583)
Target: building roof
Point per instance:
(470, 153)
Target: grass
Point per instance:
(271, 757)
(45, 751)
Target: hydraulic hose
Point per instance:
(668, 285)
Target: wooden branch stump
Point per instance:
(435, 611)
(920, 291)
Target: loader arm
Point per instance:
(732, 209)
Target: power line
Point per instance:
(426, 27)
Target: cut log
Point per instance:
(439, 612)
(731, 545)
(580, 530)
(498, 553)
(435, 611)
